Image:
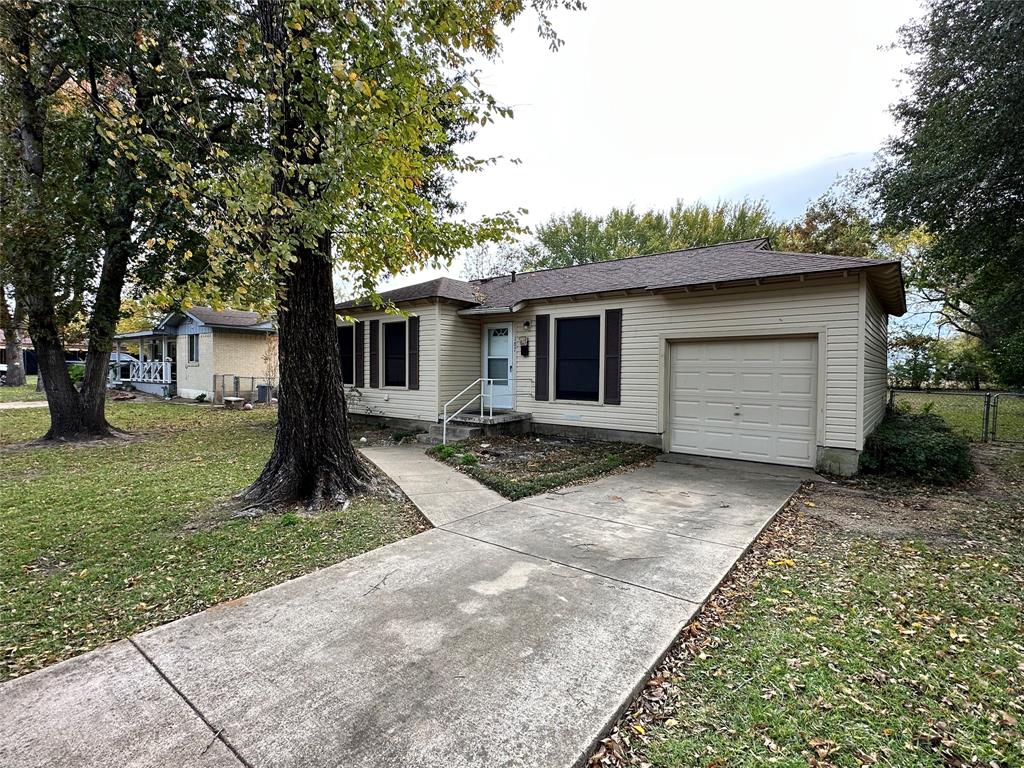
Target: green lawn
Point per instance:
(99, 541)
(885, 629)
(517, 467)
(25, 393)
(965, 412)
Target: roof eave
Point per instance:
(469, 311)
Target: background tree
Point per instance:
(106, 104)
(836, 224)
(961, 360)
(11, 323)
(912, 356)
(493, 259)
(580, 238)
(956, 169)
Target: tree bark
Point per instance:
(34, 279)
(9, 324)
(75, 413)
(313, 460)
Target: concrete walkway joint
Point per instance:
(510, 635)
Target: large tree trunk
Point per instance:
(313, 460)
(9, 324)
(34, 279)
(74, 413)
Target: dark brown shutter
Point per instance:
(612, 356)
(541, 374)
(414, 352)
(374, 354)
(359, 330)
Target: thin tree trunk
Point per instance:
(313, 460)
(15, 376)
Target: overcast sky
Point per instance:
(652, 100)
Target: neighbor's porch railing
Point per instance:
(153, 371)
(489, 395)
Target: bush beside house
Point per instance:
(919, 446)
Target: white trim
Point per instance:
(484, 373)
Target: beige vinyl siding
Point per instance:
(876, 328)
(461, 349)
(824, 306)
(400, 402)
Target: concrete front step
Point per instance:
(456, 432)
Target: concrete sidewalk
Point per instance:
(509, 636)
(441, 493)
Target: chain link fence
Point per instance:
(253, 389)
(980, 416)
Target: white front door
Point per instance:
(498, 360)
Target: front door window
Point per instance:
(498, 364)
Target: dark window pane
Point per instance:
(578, 349)
(394, 354)
(346, 345)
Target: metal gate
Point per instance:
(983, 416)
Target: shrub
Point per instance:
(443, 452)
(76, 372)
(920, 446)
(468, 460)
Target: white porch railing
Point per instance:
(153, 371)
(489, 384)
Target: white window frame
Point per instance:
(193, 360)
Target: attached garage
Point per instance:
(754, 399)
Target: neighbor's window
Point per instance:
(578, 351)
(394, 354)
(193, 347)
(347, 348)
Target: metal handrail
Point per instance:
(490, 403)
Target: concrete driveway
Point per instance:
(510, 635)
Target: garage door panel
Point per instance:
(796, 384)
(720, 381)
(798, 417)
(756, 416)
(686, 382)
(753, 399)
(756, 383)
(794, 450)
(797, 351)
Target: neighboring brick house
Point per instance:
(187, 352)
(732, 350)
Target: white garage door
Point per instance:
(745, 399)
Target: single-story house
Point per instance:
(732, 350)
(199, 351)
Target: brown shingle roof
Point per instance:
(226, 318)
(439, 288)
(709, 265)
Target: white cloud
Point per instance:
(650, 101)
